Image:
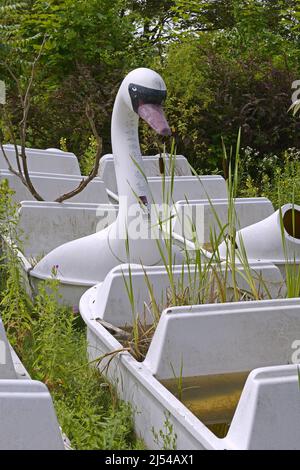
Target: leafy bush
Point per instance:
(83, 60)
(277, 178)
(220, 82)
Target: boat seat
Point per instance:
(50, 186)
(47, 161)
(268, 413)
(55, 224)
(152, 167)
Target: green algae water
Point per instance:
(212, 398)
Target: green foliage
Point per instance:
(212, 15)
(230, 64)
(229, 80)
(8, 218)
(276, 178)
(87, 161)
(166, 438)
(227, 64)
(84, 56)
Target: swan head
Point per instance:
(144, 93)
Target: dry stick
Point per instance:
(11, 129)
(116, 332)
(12, 136)
(10, 168)
(94, 172)
(112, 356)
(98, 360)
(23, 126)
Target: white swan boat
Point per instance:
(86, 261)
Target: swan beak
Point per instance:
(154, 115)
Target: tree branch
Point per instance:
(23, 172)
(13, 137)
(23, 125)
(83, 184)
(10, 168)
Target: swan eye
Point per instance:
(140, 94)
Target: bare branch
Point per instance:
(23, 125)
(10, 168)
(83, 184)
(14, 141)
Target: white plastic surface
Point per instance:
(268, 413)
(110, 300)
(224, 338)
(55, 224)
(47, 161)
(269, 239)
(214, 216)
(151, 167)
(170, 190)
(187, 187)
(253, 423)
(27, 417)
(7, 370)
(51, 186)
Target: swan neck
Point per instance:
(129, 167)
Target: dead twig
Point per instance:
(18, 173)
(99, 359)
(118, 333)
(26, 102)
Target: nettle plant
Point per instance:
(15, 304)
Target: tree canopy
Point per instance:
(227, 63)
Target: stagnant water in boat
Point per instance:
(212, 398)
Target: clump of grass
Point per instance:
(205, 277)
(15, 305)
(214, 289)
